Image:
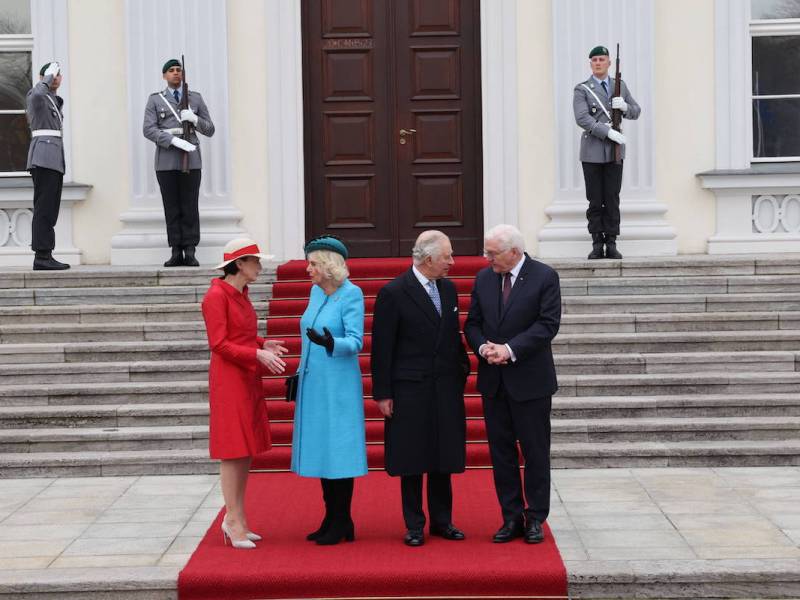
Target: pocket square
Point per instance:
(455, 309)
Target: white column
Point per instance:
(499, 112)
(157, 31)
(579, 25)
(284, 106)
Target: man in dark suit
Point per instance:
(514, 314)
(419, 368)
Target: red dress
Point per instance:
(238, 423)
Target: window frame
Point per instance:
(769, 28)
(18, 42)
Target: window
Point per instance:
(775, 37)
(16, 45)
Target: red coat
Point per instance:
(238, 423)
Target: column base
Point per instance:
(644, 230)
(753, 245)
(143, 239)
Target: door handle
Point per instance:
(404, 133)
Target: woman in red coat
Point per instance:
(238, 425)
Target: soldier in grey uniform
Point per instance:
(163, 125)
(46, 164)
(592, 103)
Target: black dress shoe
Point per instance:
(509, 531)
(189, 259)
(533, 532)
(176, 260)
(414, 537)
(44, 261)
(448, 532)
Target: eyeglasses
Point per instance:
(488, 254)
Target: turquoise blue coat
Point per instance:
(328, 439)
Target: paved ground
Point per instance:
(605, 520)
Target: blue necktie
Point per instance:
(603, 83)
(178, 96)
(434, 293)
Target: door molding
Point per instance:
(286, 168)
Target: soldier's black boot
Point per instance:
(611, 247)
(597, 247)
(176, 260)
(44, 261)
(188, 257)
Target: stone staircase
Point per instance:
(687, 361)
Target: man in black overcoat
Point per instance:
(419, 368)
(515, 313)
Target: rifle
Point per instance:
(187, 127)
(616, 114)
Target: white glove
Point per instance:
(618, 103)
(52, 69)
(616, 136)
(183, 144)
(188, 115)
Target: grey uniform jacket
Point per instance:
(589, 115)
(159, 119)
(43, 110)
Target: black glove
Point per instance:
(323, 340)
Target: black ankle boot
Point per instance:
(176, 260)
(326, 521)
(188, 257)
(341, 525)
(611, 248)
(597, 247)
(44, 261)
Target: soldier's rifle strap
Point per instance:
(169, 106)
(603, 106)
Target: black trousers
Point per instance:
(179, 193)
(603, 182)
(440, 500)
(47, 185)
(529, 422)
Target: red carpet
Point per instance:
(284, 507)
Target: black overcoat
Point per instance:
(419, 361)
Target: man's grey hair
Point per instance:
(429, 243)
(507, 236)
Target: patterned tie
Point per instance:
(506, 287)
(434, 294)
(177, 96)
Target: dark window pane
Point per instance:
(15, 79)
(15, 16)
(775, 61)
(775, 9)
(15, 138)
(776, 128)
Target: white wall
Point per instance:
(98, 94)
(685, 134)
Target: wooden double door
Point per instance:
(393, 122)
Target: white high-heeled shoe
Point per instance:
(253, 537)
(226, 536)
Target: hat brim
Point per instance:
(262, 256)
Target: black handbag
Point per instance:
(291, 387)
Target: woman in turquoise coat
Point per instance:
(328, 440)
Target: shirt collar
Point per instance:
(420, 277)
(517, 268)
(171, 91)
(600, 81)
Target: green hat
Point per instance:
(598, 51)
(172, 62)
(43, 69)
(326, 242)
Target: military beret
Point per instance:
(598, 51)
(43, 69)
(172, 62)
(326, 242)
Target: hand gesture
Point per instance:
(496, 354)
(183, 144)
(618, 103)
(271, 361)
(275, 346)
(616, 137)
(187, 114)
(53, 69)
(323, 340)
(386, 407)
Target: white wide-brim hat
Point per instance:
(240, 248)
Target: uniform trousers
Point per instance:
(179, 193)
(603, 182)
(440, 500)
(529, 422)
(47, 184)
